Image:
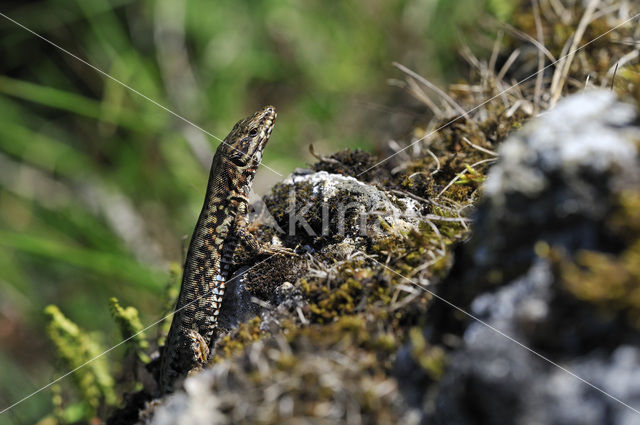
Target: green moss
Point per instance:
(337, 302)
(610, 281)
(348, 331)
(286, 362)
(235, 342)
(385, 343)
(470, 176)
(430, 358)
(628, 81)
(387, 245)
(319, 365)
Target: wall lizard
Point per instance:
(220, 227)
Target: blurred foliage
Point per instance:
(98, 184)
(131, 329)
(94, 388)
(79, 350)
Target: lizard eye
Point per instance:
(253, 132)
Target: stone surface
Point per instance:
(333, 208)
(558, 181)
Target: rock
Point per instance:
(551, 195)
(492, 377)
(269, 385)
(333, 208)
(556, 181)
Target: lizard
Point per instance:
(221, 226)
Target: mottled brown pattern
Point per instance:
(212, 245)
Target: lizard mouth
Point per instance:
(269, 119)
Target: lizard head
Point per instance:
(244, 145)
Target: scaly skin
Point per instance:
(220, 227)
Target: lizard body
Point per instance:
(221, 225)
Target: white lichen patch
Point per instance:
(590, 132)
(347, 194)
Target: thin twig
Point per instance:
(435, 158)
(435, 217)
(566, 64)
(480, 148)
(540, 46)
(432, 86)
(425, 200)
(419, 94)
(632, 55)
(539, 77)
(439, 235)
(613, 79)
(561, 11)
(510, 60)
(495, 51)
(555, 79)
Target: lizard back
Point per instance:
(208, 261)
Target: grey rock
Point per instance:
(556, 179)
(526, 356)
(333, 208)
(493, 377)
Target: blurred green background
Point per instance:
(98, 186)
